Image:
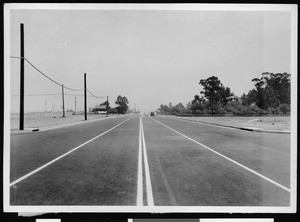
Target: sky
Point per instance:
(152, 57)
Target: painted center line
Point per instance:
(139, 198)
(233, 161)
(143, 157)
(147, 171)
(63, 155)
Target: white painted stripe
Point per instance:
(147, 171)
(56, 159)
(233, 161)
(139, 198)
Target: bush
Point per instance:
(251, 110)
(222, 112)
(272, 111)
(283, 108)
(262, 112)
(254, 110)
(113, 111)
(237, 109)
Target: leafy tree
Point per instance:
(164, 109)
(270, 98)
(174, 110)
(272, 90)
(198, 99)
(244, 100)
(285, 88)
(259, 84)
(279, 84)
(250, 98)
(179, 109)
(188, 108)
(212, 92)
(197, 105)
(235, 108)
(122, 104)
(226, 95)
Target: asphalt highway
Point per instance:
(149, 161)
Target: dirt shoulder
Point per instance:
(49, 119)
(273, 123)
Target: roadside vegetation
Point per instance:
(270, 96)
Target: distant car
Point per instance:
(152, 114)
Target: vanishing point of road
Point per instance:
(139, 160)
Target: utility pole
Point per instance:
(75, 104)
(22, 78)
(63, 100)
(107, 106)
(85, 102)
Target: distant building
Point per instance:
(99, 109)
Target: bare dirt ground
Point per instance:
(277, 123)
(44, 119)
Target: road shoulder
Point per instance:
(245, 128)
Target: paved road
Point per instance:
(136, 160)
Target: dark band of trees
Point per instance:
(271, 95)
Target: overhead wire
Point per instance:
(36, 69)
(94, 95)
(59, 94)
(17, 57)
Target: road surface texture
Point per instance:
(152, 161)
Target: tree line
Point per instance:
(270, 96)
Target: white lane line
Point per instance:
(233, 161)
(65, 154)
(147, 171)
(139, 198)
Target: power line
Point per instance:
(58, 94)
(71, 94)
(50, 94)
(16, 57)
(94, 95)
(73, 89)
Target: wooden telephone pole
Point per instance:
(22, 78)
(63, 100)
(85, 102)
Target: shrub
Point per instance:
(272, 111)
(262, 112)
(283, 108)
(237, 109)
